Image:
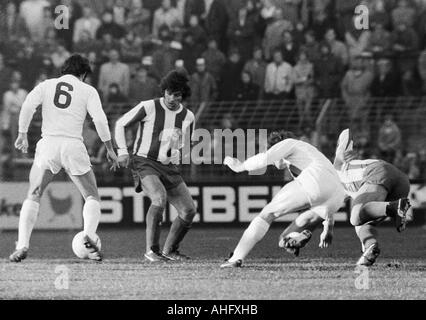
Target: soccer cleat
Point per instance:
(177, 256)
(152, 256)
(19, 255)
(401, 216)
(232, 264)
(294, 244)
(369, 256)
(95, 254)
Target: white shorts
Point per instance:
(322, 188)
(55, 153)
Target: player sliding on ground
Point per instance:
(378, 191)
(316, 187)
(65, 102)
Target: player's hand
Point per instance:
(326, 237)
(112, 157)
(234, 164)
(124, 161)
(21, 143)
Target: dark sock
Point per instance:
(153, 228)
(368, 235)
(392, 209)
(177, 232)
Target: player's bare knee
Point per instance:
(267, 216)
(35, 195)
(355, 219)
(159, 200)
(188, 214)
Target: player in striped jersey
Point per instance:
(164, 127)
(378, 190)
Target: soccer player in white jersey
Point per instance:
(316, 187)
(378, 190)
(164, 126)
(64, 102)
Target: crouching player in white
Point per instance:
(65, 102)
(378, 191)
(316, 187)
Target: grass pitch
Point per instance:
(268, 273)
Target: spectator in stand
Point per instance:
(304, 89)
(422, 70)
(85, 43)
(203, 86)
(143, 87)
(356, 40)
(29, 62)
(231, 74)
(110, 26)
(311, 46)
(59, 57)
(256, 67)
(12, 102)
(105, 45)
(328, 72)
(241, 33)
(32, 11)
(215, 59)
(403, 14)
(322, 21)
(114, 72)
(47, 23)
(216, 22)
(164, 58)
(115, 96)
(119, 11)
(389, 139)
(193, 7)
(138, 19)
(12, 25)
(380, 41)
(5, 76)
(411, 83)
(386, 82)
(246, 90)
(274, 33)
(73, 13)
(356, 89)
(338, 48)
(88, 24)
(289, 48)
(131, 48)
(269, 10)
(405, 46)
(198, 33)
(279, 78)
(290, 8)
(378, 13)
(190, 52)
(165, 15)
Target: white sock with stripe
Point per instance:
(27, 220)
(253, 234)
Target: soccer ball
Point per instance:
(79, 248)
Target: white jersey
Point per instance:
(295, 154)
(65, 102)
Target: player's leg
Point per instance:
(182, 200)
(291, 198)
(38, 181)
(155, 191)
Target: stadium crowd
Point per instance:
(234, 50)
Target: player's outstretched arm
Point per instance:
(32, 101)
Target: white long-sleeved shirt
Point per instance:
(278, 79)
(65, 102)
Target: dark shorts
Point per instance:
(141, 167)
(391, 178)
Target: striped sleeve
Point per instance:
(133, 116)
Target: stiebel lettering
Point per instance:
(233, 309)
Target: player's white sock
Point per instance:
(253, 234)
(27, 220)
(91, 217)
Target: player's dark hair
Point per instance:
(176, 81)
(277, 136)
(76, 65)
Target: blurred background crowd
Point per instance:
(233, 50)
